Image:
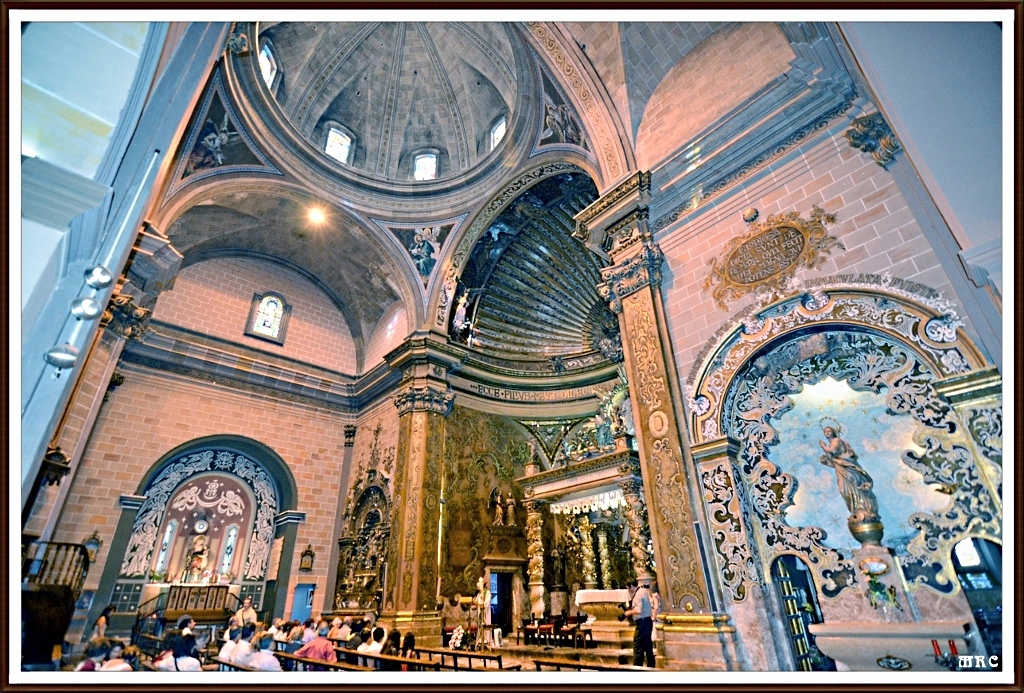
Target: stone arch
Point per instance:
(266, 474)
(876, 334)
(451, 267)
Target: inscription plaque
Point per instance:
(769, 254)
(766, 254)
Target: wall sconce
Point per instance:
(306, 561)
(92, 546)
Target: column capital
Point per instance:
(534, 505)
(130, 501)
(350, 435)
(426, 398)
(124, 318)
(629, 276)
(289, 517)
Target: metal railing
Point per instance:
(55, 563)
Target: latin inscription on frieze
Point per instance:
(768, 253)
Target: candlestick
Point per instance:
(935, 646)
(952, 648)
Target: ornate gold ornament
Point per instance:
(767, 256)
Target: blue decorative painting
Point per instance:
(877, 439)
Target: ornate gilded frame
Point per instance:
(926, 329)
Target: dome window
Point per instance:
(425, 166)
(498, 132)
(338, 145)
(268, 65)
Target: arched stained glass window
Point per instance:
(268, 66)
(165, 547)
(498, 132)
(230, 540)
(425, 166)
(338, 145)
(268, 317)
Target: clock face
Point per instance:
(202, 526)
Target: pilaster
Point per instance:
(617, 225)
(423, 400)
(734, 549)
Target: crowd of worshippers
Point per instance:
(252, 644)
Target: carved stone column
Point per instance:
(604, 557)
(616, 224)
(423, 401)
(587, 554)
(535, 554)
(636, 519)
(341, 550)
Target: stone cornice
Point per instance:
(631, 275)
(428, 399)
(635, 188)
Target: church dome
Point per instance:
(400, 98)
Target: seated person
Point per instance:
(295, 637)
(243, 648)
(95, 652)
(184, 654)
(233, 622)
(340, 629)
(392, 646)
(115, 660)
(364, 637)
(308, 631)
(227, 649)
(378, 641)
(319, 647)
(264, 658)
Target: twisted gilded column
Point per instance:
(535, 554)
(587, 554)
(636, 519)
(604, 557)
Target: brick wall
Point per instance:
(214, 298)
(154, 412)
(873, 222)
(716, 76)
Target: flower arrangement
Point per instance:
(457, 635)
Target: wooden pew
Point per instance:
(576, 665)
(304, 664)
(227, 665)
(412, 664)
(456, 655)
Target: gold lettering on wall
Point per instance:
(768, 255)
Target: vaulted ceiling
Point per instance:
(399, 88)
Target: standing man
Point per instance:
(641, 610)
(246, 614)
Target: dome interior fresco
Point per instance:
(398, 88)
